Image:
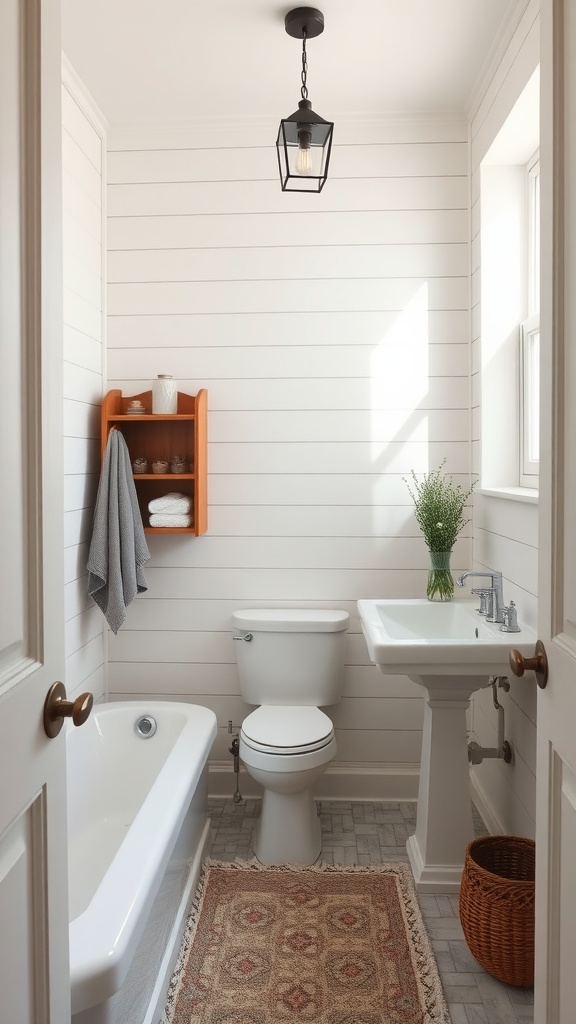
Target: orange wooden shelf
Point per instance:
(158, 437)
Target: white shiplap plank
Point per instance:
(181, 297)
(82, 315)
(82, 280)
(344, 457)
(215, 615)
(370, 489)
(378, 362)
(95, 684)
(76, 556)
(294, 552)
(442, 327)
(82, 350)
(80, 419)
(79, 166)
(82, 384)
(345, 425)
(80, 242)
(81, 629)
(82, 207)
(345, 228)
(81, 455)
(275, 585)
(390, 131)
(83, 662)
(507, 518)
(169, 165)
(79, 491)
(78, 126)
(298, 261)
(182, 198)
(404, 389)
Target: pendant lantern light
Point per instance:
(304, 139)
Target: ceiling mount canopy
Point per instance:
(304, 139)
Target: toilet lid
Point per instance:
(283, 729)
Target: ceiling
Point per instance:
(177, 62)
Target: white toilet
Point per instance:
(290, 661)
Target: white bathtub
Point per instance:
(137, 826)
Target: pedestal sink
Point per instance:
(451, 651)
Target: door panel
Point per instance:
(34, 972)
(22, 901)
(555, 983)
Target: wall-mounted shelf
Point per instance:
(156, 436)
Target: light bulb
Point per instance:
(303, 161)
(304, 155)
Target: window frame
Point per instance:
(529, 400)
(529, 377)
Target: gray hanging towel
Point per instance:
(118, 549)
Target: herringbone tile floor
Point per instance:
(376, 833)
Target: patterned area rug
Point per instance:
(320, 945)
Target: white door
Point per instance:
(555, 991)
(34, 975)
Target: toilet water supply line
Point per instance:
(476, 753)
(235, 751)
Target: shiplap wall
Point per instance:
(505, 530)
(332, 334)
(83, 162)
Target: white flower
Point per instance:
(439, 526)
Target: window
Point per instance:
(505, 318)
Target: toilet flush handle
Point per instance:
(247, 636)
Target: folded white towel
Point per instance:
(174, 503)
(165, 519)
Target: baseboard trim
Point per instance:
(341, 781)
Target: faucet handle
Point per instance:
(485, 596)
(510, 615)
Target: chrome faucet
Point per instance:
(495, 613)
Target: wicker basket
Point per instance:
(497, 906)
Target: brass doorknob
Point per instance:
(57, 708)
(538, 664)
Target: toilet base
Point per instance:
(289, 829)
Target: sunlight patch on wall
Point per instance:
(399, 380)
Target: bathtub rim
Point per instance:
(104, 938)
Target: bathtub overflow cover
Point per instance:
(145, 727)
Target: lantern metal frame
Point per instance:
(304, 130)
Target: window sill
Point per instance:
(526, 494)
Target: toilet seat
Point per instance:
(287, 730)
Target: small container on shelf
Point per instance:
(164, 395)
(139, 465)
(160, 466)
(135, 408)
(178, 464)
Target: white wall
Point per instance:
(505, 529)
(83, 166)
(332, 334)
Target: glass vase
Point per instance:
(440, 583)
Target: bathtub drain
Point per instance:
(145, 727)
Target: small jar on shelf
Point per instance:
(164, 395)
(139, 465)
(160, 466)
(178, 464)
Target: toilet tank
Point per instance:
(296, 655)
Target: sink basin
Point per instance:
(427, 638)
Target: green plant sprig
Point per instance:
(438, 507)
